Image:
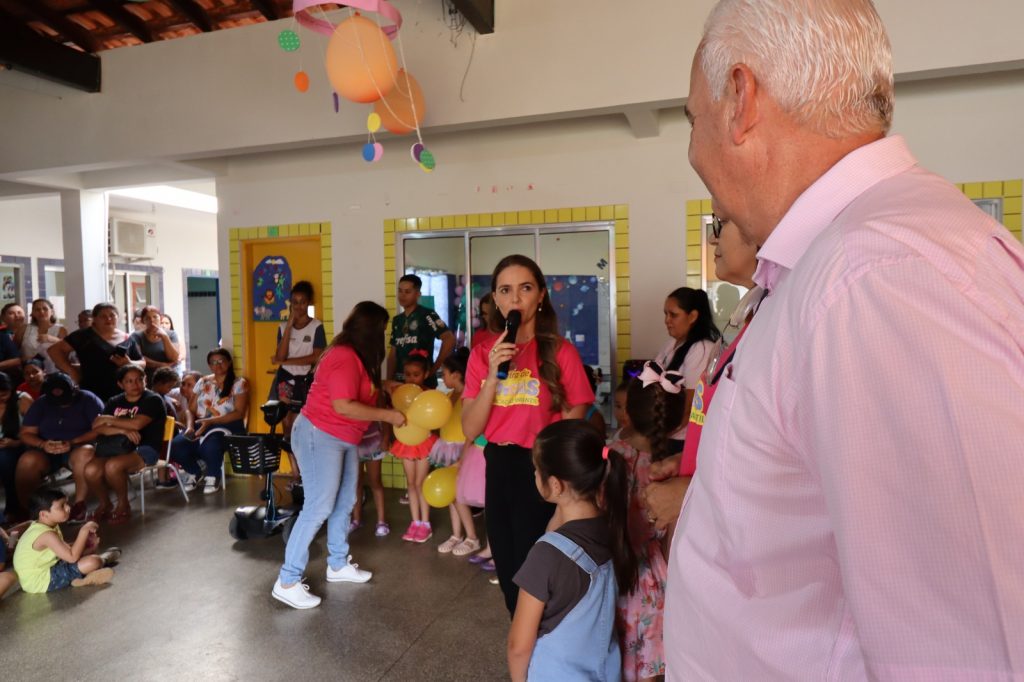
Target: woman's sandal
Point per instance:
(487, 566)
(99, 514)
(118, 517)
(478, 559)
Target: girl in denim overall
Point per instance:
(564, 622)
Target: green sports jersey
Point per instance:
(417, 330)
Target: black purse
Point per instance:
(112, 446)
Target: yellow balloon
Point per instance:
(439, 487)
(452, 429)
(404, 395)
(430, 410)
(411, 435)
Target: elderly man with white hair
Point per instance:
(857, 510)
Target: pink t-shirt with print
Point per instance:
(340, 375)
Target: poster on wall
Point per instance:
(271, 282)
(8, 284)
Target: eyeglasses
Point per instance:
(716, 226)
(215, 363)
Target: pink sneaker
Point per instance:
(424, 532)
(412, 533)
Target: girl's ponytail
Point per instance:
(616, 505)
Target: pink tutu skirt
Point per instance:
(469, 489)
(369, 446)
(445, 453)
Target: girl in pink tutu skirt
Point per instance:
(655, 404)
(414, 457)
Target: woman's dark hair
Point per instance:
(303, 287)
(420, 361)
(169, 319)
(572, 451)
(125, 370)
(487, 299)
(12, 304)
(100, 307)
(229, 378)
(363, 331)
(53, 316)
(146, 310)
(456, 362)
(546, 329)
(703, 328)
(10, 418)
(166, 375)
(655, 414)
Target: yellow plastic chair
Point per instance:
(163, 463)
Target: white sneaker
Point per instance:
(210, 485)
(188, 481)
(350, 573)
(296, 596)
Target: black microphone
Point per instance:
(512, 327)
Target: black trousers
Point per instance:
(516, 513)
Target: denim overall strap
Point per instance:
(583, 645)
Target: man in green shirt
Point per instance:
(416, 328)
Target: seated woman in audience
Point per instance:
(10, 440)
(12, 319)
(101, 350)
(33, 374)
(220, 403)
(693, 341)
(130, 430)
(57, 432)
(40, 333)
(158, 345)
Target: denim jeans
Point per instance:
(330, 469)
(187, 452)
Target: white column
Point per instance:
(84, 232)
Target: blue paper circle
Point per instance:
(369, 151)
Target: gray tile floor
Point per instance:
(188, 602)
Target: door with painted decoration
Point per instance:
(269, 269)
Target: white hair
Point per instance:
(827, 63)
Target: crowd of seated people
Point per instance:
(85, 406)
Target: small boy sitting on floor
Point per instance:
(45, 563)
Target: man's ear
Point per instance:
(744, 90)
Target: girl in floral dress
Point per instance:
(655, 404)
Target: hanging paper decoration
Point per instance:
(302, 81)
(402, 109)
(362, 66)
(288, 40)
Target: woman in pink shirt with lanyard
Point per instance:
(545, 383)
(339, 407)
(735, 262)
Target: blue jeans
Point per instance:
(330, 470)
(187, 452)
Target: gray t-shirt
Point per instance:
(554, 578)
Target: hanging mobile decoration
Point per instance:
(362, 66)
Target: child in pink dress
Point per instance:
(654, 404)
(414, 459)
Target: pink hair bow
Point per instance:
(671, 382)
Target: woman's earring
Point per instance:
(540, 307)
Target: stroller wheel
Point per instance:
(236, 530)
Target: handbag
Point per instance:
(112, 446)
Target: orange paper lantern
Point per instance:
(396, 108)
(361, 62)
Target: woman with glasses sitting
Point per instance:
(219, 405)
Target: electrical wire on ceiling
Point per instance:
(456, 23)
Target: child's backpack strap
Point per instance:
(570, 549)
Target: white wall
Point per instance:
(963, 128)
(185, 239)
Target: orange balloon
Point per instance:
(403, 396)
(301, 81)
(361, 62)
(396, 108)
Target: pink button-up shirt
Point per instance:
(858, 511)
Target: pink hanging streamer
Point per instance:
(301, 9)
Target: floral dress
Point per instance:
(640, 613)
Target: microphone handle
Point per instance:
(513, 330)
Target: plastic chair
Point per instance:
(163, 463)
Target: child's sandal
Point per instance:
(449, 545)
(467, 546)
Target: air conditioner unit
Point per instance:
(130, 239)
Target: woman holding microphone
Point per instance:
(542, 382)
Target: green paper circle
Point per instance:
(288, 40)
(427, 159)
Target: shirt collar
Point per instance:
(818, 206)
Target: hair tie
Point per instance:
(604, 452)
(670, 382)
(418, 351)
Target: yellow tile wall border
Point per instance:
(237, 235)
(696, 210)
(392, 473)
(1007, 190)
